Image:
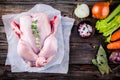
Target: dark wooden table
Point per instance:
(82, 51)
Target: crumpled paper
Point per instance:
(59, 64)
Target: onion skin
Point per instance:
(100, 10)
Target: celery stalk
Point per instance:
(114, 13)
(108, 25)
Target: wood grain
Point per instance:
(82, 51)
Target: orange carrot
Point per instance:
(116, 35)
(114, 45)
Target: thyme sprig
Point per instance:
(35, 32)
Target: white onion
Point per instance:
(82, 11)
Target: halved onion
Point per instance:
(82, 11)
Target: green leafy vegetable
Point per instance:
(35, 32)
(101, 61)
(108, 25)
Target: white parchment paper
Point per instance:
(59, 64)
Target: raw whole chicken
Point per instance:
(37, 43)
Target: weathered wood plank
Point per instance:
(82, 57)
(76, 71)
(82, 51)
(66, 10)
(47, 0)
(26, 0)
(9, 9)
(2, 30)
(90, 2)
(76, 57)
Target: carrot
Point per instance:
(116, 35)
(114, 45)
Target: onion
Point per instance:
(82, 11)
(100, 10)
(115, 56)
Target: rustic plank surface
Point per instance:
(82, 51)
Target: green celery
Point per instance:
(108, 25)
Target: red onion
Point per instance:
(115, 56)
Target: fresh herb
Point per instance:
(35, 22)
(35, 32)
(101, 61)
(34, 26)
